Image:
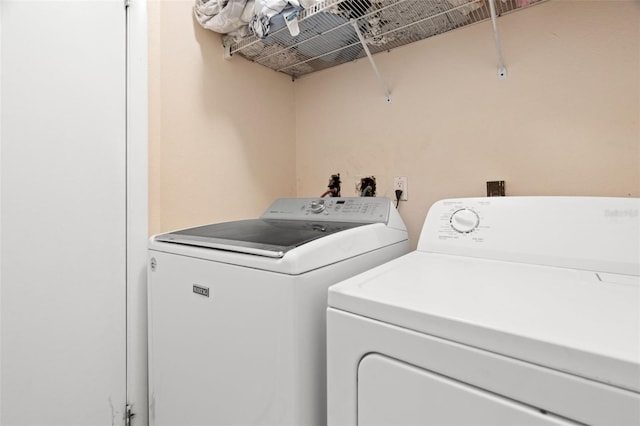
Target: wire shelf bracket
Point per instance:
(329, 36)
(502, 70)
(387, 93)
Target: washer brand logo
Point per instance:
(202, 291)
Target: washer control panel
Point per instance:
(347, 209)
(317, 206)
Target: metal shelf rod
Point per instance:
(502, 71)
(387, 93)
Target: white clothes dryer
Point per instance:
(237, 310)
(512, 311)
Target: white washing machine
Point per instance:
(237, 310)
(512, 311)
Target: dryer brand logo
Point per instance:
(202, 291)
(631, 213)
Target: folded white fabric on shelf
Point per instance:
(224, 16)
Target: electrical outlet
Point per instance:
(400, 183)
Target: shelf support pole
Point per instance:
(387, 93)
(502, 71)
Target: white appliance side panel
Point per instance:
(260, 331)
(310, 327)
(589, 233)
(62, 194)
(223, 359)
(391, 392)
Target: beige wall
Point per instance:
(565, 122)
(221, 133)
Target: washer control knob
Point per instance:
(464, 220)
(317, 206)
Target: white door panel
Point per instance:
(391, 392)
(63, 251)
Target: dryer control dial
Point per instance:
(464, 220)
(317, 206)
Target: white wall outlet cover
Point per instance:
(400, 182)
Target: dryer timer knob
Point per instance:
(464, 220)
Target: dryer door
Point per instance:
(391, 392)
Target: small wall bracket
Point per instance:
(387, 93)
(502, 73)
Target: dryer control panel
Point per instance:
(463, 220)
(347, 209)
(592, 233)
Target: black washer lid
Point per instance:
(264, 237)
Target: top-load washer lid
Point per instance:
(293, 222)
(264, 237)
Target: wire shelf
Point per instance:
(328, 38)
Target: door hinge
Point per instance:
(129, 414)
